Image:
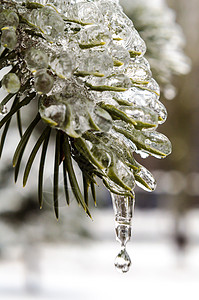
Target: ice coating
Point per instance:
(87, 66)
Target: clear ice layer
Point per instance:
(85, 60)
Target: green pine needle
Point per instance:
(93, 192)
(5, 131)
(3, 137)
(33, 154)
(19, 124)
(41, 169)
(56, 175)
(17, 107)
(18, 164)
(86, 185)
(7, 99)
(65, 183)
(72, 177)
(25, 138)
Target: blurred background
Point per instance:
(41, 258)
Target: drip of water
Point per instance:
(123, 209)
(3, 109)
(123, 261)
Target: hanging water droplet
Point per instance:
(123, 261)
(123, 208)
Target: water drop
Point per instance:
(123, 261)
(3, 109)
(123, 208)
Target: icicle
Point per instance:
(123, 208)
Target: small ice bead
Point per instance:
(43, 82)
(9, 38)
(9, 18)
(36, 59)
(11, 83)
(62, 65)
